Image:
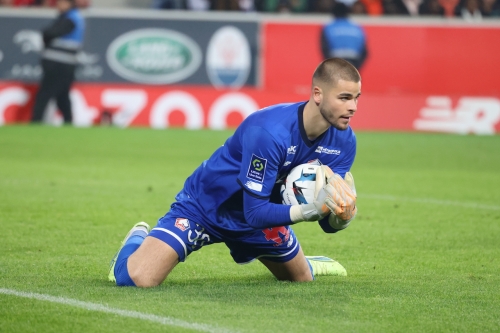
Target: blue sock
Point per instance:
(311, 269)
(121, 271)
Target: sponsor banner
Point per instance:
(20, 48)
(205, 107)
(416, 57)
(152, 51)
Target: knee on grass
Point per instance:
(144, 280)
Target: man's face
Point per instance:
(339, 103)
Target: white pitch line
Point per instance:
(124, 313)
(430, 201)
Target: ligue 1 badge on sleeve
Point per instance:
(257, 168)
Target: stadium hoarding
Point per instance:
(419, 75)
(404, 57)
(148, 50)
(196, 107)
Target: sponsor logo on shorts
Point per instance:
(182, 224)
(197, 237)
(278, 235)
(257, 168)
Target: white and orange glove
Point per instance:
(341, 200)
(318, 209)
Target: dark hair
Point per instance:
(340, 9)
(331, 70)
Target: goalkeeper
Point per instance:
(233, 197)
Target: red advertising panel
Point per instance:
(202, 107)
(419, 76)
(402, 59)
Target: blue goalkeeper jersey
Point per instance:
(256, 159)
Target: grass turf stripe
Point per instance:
(124, 313)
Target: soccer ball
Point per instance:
(300, 185)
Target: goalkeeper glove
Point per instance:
(341, 199)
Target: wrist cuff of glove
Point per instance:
(337, 223)
(307, 212)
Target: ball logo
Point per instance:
(154, 56)
(228, 58)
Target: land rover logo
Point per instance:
(154, 56)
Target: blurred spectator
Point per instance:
(373, 7)
(62, 39)
(5, 3)
(394, 7)
(82, 4)
(247, 5)
(343, 38)
(412, 6)
(225, 5)
(322, 6)
(198, 4)
(295, 6)
(169, 4)
(491, 7)
(358, 8)
(470, 10)
(26, 3)
(401, 7)
(348, 3)
(449, 7)
(431, 8)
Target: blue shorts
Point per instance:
(184, 235)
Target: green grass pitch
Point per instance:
(423, 254)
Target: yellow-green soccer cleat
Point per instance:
(141, 226)
(326, 266)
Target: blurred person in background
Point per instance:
(373, 7)
(223, 5)
(29, 3)
(343, 38)
(82, 4)
(431, 8)
(402, 7)
(470, 10)
(358, 8)
(199, 5)
(169, 4)
(282, 6)
(491, 8)
(247, 5)
(322, 6)
(449, 7)
(63, 39)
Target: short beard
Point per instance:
(334, 125)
